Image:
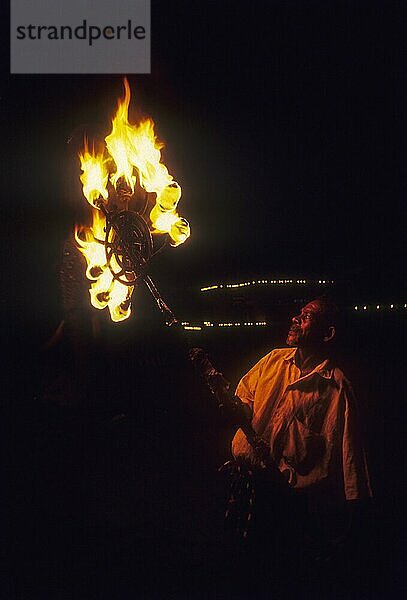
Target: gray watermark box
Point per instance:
(80, 36)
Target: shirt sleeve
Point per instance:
(355, 471)
(246, 387)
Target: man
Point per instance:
(304, 409)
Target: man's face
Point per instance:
(307, 328)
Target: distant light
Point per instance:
(365, 308)
(378, 306)
(391, 305)
(260, 282)
(192, 328)
(356, 307)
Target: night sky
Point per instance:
(283, 124)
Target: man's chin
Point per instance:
(291, 341)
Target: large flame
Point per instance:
(133, 154)
(94, 175)
(105, 291)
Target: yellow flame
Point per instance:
(135, 153)
(94, 174)
(118, 142)
(94, 251)
(105, 291)
(180, 231)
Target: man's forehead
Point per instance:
(313, 306)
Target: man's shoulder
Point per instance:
(270, 361)
(279, 355)
(340, 378)
(284, 353)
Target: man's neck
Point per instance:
(307, 359)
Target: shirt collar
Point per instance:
(324, 369)
(290, 355)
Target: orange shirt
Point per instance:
(309, 421)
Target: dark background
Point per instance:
(284, 125)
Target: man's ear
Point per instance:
(330, 334)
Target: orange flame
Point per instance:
(105, 291)
(135, 154)
(94, 175)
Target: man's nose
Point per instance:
(296, 319)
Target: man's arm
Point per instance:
(355, 471)
(246, 388)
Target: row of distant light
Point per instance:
(262, 282)
(377, 306)
(186, 325)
